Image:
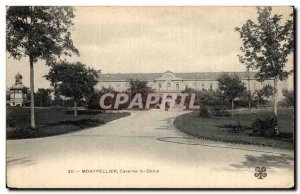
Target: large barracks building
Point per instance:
(169, 82)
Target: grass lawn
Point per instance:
(214, 128)
(53, 121)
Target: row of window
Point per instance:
(17, 95)
(186, 86)
(18, 91)
(160, 85)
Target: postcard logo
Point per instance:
(140, 101)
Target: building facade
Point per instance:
(169, 82)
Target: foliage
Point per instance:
(207, 97)
(204, 111)
(43, 97)
(73, 80)
(261, 96)
(230, 86)
(138, 86)
(242, 100)
(265, 127)
(40, 32)
(266, 44)
(289, 97)
(57, 101)
(267, 91)
(93, 101)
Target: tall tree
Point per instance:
(231, 88)
(266, 46)
(73, 80)
(38, 33)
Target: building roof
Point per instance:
(128, 76)
(183, 76)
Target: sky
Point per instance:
(153, 40)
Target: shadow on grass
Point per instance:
(266, 160)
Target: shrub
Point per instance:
(204, 111)
(265, 126)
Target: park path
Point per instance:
(142, 150)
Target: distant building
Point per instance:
(18, 92)
(169, 82)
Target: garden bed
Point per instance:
(218, 128)
(53, 121)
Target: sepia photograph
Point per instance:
(150, 97)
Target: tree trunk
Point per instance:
(249, 93)
(285, 106)
(275, 97)
(249, 104)
(32, 119)
(231, 108)
(75, 108)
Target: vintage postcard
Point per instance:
(150, 97)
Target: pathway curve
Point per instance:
(142, 150)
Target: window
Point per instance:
(211, 87)
(168, 86)
(177, 87)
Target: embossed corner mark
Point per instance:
(260, 172)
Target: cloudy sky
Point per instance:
(153, 39)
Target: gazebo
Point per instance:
(18, 92)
